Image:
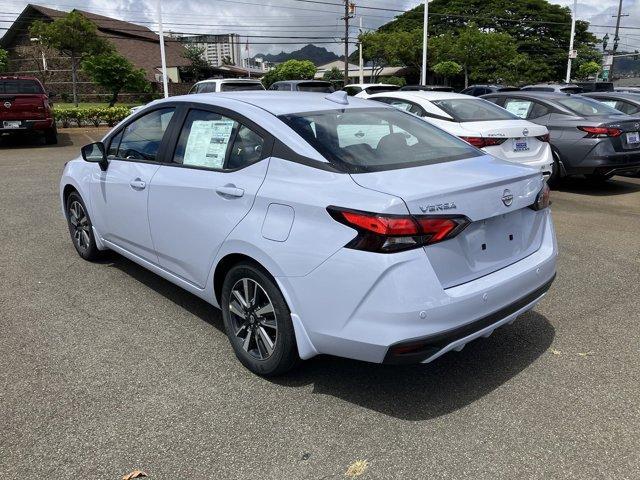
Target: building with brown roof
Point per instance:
(138, 44)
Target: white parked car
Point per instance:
(365, 90)
(481, 123)
(318, 224)
(216, 85)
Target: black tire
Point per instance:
(247, 329)
(556, 171)
(80, 227)
(51, 136)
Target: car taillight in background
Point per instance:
(543, 138)
(481, 142)
(542, 199)
(601, 132)
(393, 233)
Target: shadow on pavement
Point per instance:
(416, 392)
(582, 186)
(33, 141)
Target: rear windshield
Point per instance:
(473, 110)
(373, 139)
(587, 107)
(320, 87)
(381, 88)
(238, 86)
(572, 90)
(18, 86)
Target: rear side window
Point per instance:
(587, 106)
(320, 87)
(352, 90)
(626, 107)
(240, 86)
(209, 87)
(19, 86)
(365, 140)
(141, 138)
(520, 107)
(212, 141)
(403, 105)
(472, 110)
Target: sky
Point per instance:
(311, 21)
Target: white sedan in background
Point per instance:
(481, 123)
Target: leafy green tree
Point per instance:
(538, 28)
(73, 36)
(399, 81)
(333, 75)
(115, 73)
(4, 60)
(447, 69)
(588, 69)
(199, 68)
(483, 56)
(290, 70)
(374, 51)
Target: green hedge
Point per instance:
(78, 116)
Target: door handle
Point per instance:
(138, 184)
(229, 191)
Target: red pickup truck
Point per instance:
(24, 107)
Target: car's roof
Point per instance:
(278, 102)
(423, 95)
(224, 80)
(531, 93)
(367, 85)
(552, 85)
(623, 95)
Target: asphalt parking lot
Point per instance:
(106, 367)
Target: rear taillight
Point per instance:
(393, 233)
(543, 138)
(481, 142)
(542, 199)
(601, 132)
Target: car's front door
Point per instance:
(119, 195)
(207, 187)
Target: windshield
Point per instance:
(373, 139)
(320, 87)
(381, 88)
(473, 110)
(18, 86)
(587, 107)
(238, 86)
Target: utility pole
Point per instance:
(425, 32)
(162, 55)
(349, 8)
(573, 33)
(360, 51)
(616, 37)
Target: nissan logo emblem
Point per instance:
(7, 104)
(525, 132)
(507, 197)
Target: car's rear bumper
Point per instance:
(604, 159)
(27, 125)
(358, 306)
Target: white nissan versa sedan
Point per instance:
(477, 121)
(319, 224)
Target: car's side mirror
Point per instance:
(95, 153)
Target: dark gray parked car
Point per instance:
(587, 137)
(478, 90)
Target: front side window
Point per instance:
(472, 110)
(141, 138)
(520, 107)
(587, 107)
(364, 140)
(213, 141)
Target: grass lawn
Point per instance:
(91, 104)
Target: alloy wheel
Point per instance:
(79, 225)
(253, 318)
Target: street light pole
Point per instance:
(165, 86)
(573, 32)
(360, 52)
(425, 30)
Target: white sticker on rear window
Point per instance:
(518, 107)
(207, 143)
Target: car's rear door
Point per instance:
(119, 195)
(207, 186)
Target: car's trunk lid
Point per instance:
(493, 194)
(21, 106)
(630, 137)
